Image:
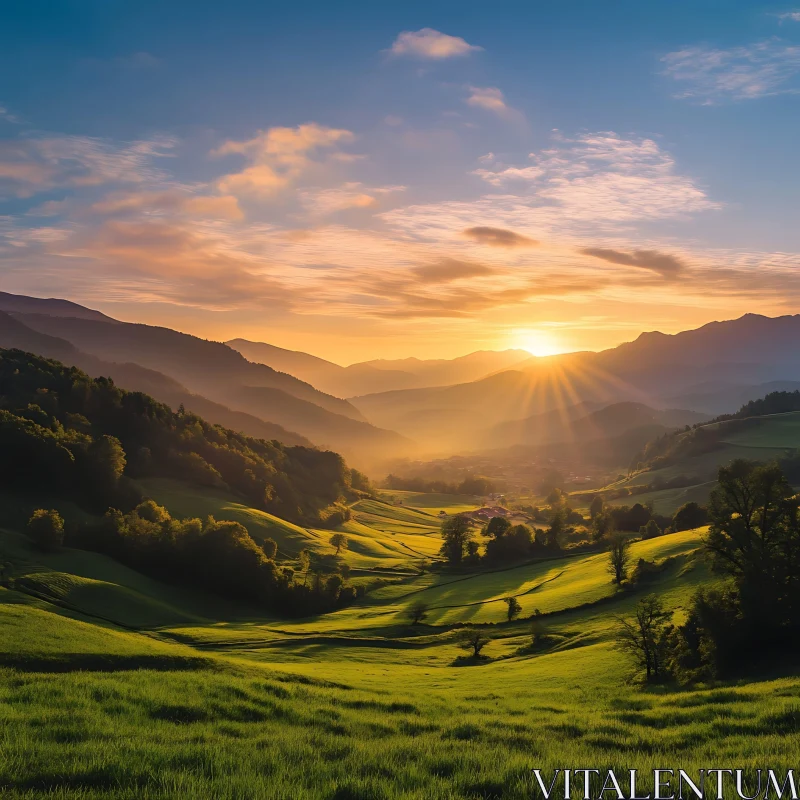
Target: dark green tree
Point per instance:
(473, 640)
(417, 612)
(618, 556)
(596, 506)
(456, 532)
(339, 541)
(689, 516)
(513, 608)
(46, 529)
(644, 638)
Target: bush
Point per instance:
(46, 529)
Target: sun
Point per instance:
(539, 343)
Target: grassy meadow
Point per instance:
(113, 685)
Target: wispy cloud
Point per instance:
(431, 44)
(32, 165)
(593, 183)
(351, 195)
(7, 116)
(666, 265)
(491, 99)
(712, 76)
(277, 157)
(791, 16)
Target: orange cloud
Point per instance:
(277, 157)
(498, 237)
(428, 43)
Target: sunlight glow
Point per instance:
(539, 343)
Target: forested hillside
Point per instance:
(64, 433)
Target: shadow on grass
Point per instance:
(97, 662)
(470, 661)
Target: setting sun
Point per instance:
(539, 343)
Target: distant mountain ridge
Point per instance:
(654, 370)
(379, 375)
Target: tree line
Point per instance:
(472, 485)
(211, 555)
(64, 434)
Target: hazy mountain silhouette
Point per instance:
(14, 334)
(369, 377)
(654, 369)
(217, 373)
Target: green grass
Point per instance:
(433, 503)
(764, 439)
(212, 700)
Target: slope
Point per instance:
(14, 334)
(223, 376)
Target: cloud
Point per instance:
(792, 16)
(193, 205)
(428, 43)
(597, 182)
(277, 157)
(450, 269)
(351, 195)
(7, 116)
(179, 263)
(740, 73)
(498, 237)
(492, 99)
(32, 165)
(666, 265)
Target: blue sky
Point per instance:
(364, 179)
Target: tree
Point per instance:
(602, 526)
(754, 538)
(474, 640)
(644, 638)
(618, 556)
(513, 608)
(496, 527)
(538, 630)
(304, 562)
(558, 526)
(596, 506)
(456, 532)
(556, 498)
(417, 612)
(689, 516)
(650, 531)
(270, 548)
(344, 570)
(339, 541)
(46, 528)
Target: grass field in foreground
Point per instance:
(217, 702)
(331, 729)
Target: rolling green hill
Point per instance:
(693, 459)
(116, 686)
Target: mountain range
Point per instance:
(381, 375)
(485, 400)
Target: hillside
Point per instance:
(390, 704)
(568, 425)
(682, 467)
(205, 376)
(67, 435)
(13, 334)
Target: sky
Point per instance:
(367, 180)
